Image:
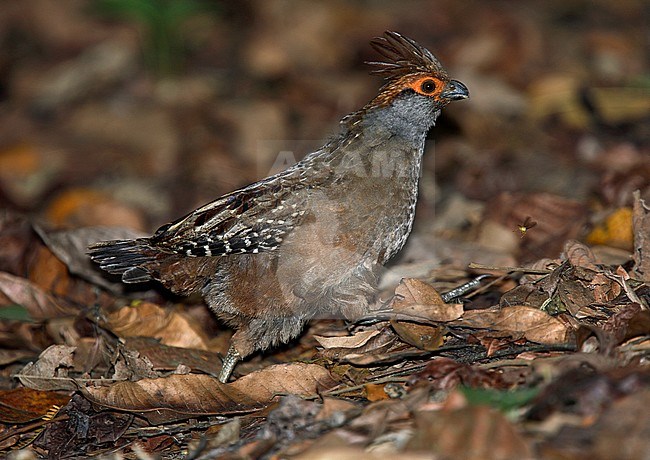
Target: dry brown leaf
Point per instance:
(180, 396)
(417, 299)
(353, 341)
(16, 240)
(50, 372)
(423, 336)
(22, 405)
(534, 324)
(40, 304)
(71, 247)
(173, 328)
(49, 273)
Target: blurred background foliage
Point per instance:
(161, 21)
(132, 112)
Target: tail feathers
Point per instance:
(128, 258)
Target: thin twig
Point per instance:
(530, 271)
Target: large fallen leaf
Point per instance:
(534, 324)
(182, 396)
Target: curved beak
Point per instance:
(455, 91)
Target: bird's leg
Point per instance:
(229, 362)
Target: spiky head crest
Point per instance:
(404, 57)
(408, 66)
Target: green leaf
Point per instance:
(504, 400)
(15, 312)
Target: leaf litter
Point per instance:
(545, 358)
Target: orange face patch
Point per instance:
(422, 83)
(427, 86)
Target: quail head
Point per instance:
(309, 241)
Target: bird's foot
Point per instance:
(228, 364)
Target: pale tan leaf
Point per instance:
(179, 396)
(353, 341)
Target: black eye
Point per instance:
(428, 86)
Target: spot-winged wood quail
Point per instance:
(308, 241)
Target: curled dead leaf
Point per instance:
(50, 372)
(352, 341)
(422, 336)
(417, 299)
(579, 255)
